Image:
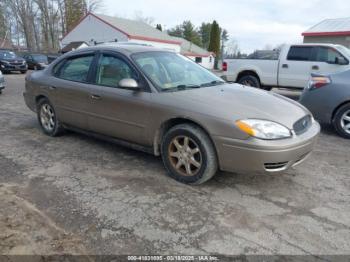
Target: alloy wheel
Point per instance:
(185, 155)
(345, 121)
(47, 117)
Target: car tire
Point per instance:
(23, 72)
(48, 121)
(188, 154)
(267, 88)
(341, 120)
(250, 80)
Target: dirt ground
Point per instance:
(27, 230)
(78, 195)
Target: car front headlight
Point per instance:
(263, 129)
(4, 61)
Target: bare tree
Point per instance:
(93, 5)
(24, 13)
(39, 24)
(146, 19)
(232, 49)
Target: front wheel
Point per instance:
(47, 118)
(24, 71)
(189, 155)
(341, 121)
(250, 80)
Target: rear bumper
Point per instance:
(256, 155)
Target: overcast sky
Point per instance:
(252, 23)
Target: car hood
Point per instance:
(234, 102)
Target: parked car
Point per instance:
(36, 61)
(328, 98)
(164, 103)
(10, 62)
(2, 82)
(291, 69)
(52, 57)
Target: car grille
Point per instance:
(275, 166)
(16, 63)
(302, 125)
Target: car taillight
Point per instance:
(318, 82)
(224, 66)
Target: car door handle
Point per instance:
(284, 66)
(52, 87)
(315, 67)
(95, 97)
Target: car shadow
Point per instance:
(133, 160)
(329, 130)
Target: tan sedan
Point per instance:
(165, 104)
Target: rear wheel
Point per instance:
(47, 118)
(250, 80)
(188, 154)
(341, 121)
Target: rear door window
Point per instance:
(300, 53)
(76, 69)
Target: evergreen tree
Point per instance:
(204, 32)
(190, 33)
(159, 27)
(74, 11)
(224, 39)
(214, 44)
(176, 31)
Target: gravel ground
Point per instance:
(84, 194)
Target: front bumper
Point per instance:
(9, 67)
(254, 155)
(2, 82)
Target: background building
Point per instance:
(334, 31)
(95, 28)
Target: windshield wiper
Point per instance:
(213, 83)
(181, 87)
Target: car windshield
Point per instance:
(7, 55)
(344, 50)
(172, 72)
(40, 58)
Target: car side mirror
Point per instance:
(129, 83)
(341, 61)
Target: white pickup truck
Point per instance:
(291, 68)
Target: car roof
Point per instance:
(316, 44)
(122, 48)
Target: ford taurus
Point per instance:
(161, 102)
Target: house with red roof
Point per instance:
(97, 28)
(334, 31)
